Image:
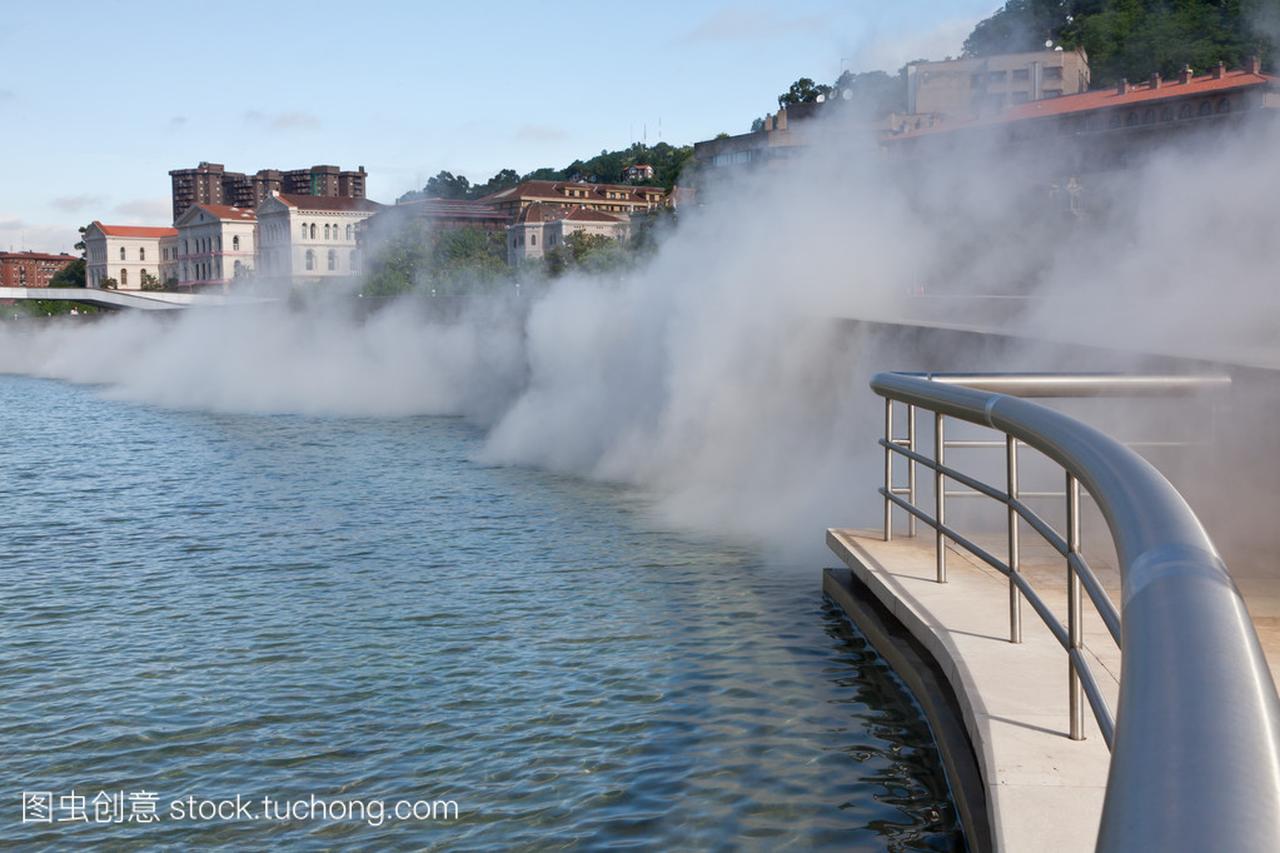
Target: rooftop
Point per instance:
(135, 230)
(329, 203)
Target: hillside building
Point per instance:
(541, 227)
(31, 269)
(311, 237)
(620, 199)
(215, 244)
(987, 85)
(124, 253)
(211, 183)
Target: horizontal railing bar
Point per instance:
(1050, 621)
(1101, 712)
(972, 443)
(901, 490)
(1101, 600)
(1046, 615)
(1046, 531)
(978, 443)
(958, 476)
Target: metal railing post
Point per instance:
(1075, 617)
(1015, 598)
(911, 468)
(888, 469)
(939, 497)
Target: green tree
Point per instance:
(72, 275)
(447, 185)
(877, 91)
(591, 253)
(504, 179)
(803, 91)
(150, 282)
(110, 283)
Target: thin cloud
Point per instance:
(732, 24)
(7, 95)
(177, 121)
(72, 203)
(20, 234)
(145, 208)
(889, 52)
(283, 120)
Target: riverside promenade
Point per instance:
(1187, 755)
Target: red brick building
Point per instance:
(30, 269)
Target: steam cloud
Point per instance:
(723, 377)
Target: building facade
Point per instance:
(987, 85)
(541, 227)
(211, 183)
(311, 237)
(123, 254)
(215, 245)
(31, 269)
(608, 198)
(638, 172)
(1099, 130)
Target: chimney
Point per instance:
(1219, 70)
(1123, 88)
(1185, 75)
(1155, 80)
(1254, 65)
(768, 122)
(780, 121)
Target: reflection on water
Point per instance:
(211, 605)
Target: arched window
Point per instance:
(313, 230)
(333, 260)
(1166, 114)
(1186, 111)
(239, 268)
(1224, 105)
(311, 258)
(1115, 120)
(235, 244)
(352, 262)
(304, 231)
(122, 253)
(1131, 119)
(142, 253)
(124, 276)
(186, 247)
(326, 231)
(1206, 108)
(1149, 117)
(348, 232)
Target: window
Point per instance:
(1186, 111)
(1166, 114)
(186, 247)
(326, 232)
(1131, 119)
(313, 230)
(122, 253)
(1206, 109)
(311, 258)
(124, 276)
(997, 76)
(1224, 105)
(142, 253)
(1021, 75)
(333, 260)
(353, 266)
(348, 232)
(1053, 72)
(304, 231)
(533, 239)
(1149, 117)
(235, 244)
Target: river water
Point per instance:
(355, 610)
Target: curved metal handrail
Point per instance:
(1196, 747)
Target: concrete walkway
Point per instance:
(1044, 791)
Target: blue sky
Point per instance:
(101, 99)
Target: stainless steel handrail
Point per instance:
(1196, 739)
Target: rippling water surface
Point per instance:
(210, 605)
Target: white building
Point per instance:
(310, 237)
(124, 254)
(542, 227)
(215, 244)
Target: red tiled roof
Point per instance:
(35, 256)
(135, 230)
(456, 208)
(1141, 93)
(582, 214)
(556, 190)
(330, 203)
(222, 211)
